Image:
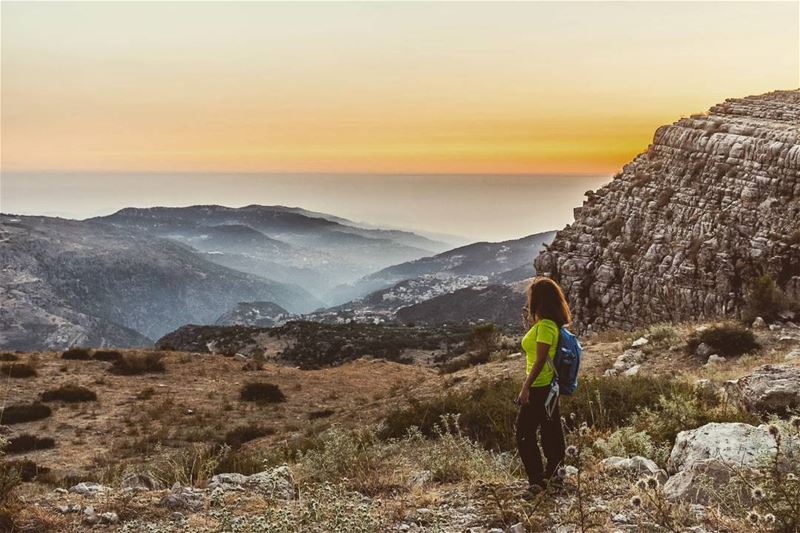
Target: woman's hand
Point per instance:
(524, 396)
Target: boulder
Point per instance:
(697, 483)
(274, 483)
(759, 323)
(714, 359)
(183, 498)
(637, 465)
(770, 389)
(624, 362)
(729, 442)
(638, 343)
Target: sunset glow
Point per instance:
(372, 87)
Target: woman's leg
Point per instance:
(528, 421)
(553, 442)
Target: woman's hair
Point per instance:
(546, 300)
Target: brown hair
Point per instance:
(546, 300)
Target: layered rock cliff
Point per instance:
(686, 227)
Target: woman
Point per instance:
(546, 310)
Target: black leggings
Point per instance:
(533, 417)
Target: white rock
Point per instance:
(636, 465)
(89, 489)
(770, 389)
(730, 442)
(232, 481)
(641, 341)
(697, 483)
(759, 323)
(715, 359)
(274, 483)
(703, 350)
(517, 528)
(632, 371)
(109, 517)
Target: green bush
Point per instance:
(262, 392)
(29, 443)
(24, 412)
(728, 339)
(69, 393)
(132, 364)
(77, 354)
(464, 361)
(764, 299)
(17, 370)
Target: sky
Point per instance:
(269, 96)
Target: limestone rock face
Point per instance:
(685, 228)
(770, 389)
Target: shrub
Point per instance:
(131, 364)
(193, 465)
(8, 356)
(25, 469)
(627, 441)
(236, 437)
(70, 393)
(677, 413)
(483, 338)
(17, 370)
(724, 339)
(25, 412)
(29, 443)
(110, 356)
(77, 354)
(322, 413)
(262, 392)
(464, 361)
(764, 299)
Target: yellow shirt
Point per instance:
(545, 331)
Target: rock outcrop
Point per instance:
(770, 389)
(686, 227)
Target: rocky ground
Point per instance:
(150, 453)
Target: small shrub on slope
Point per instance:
(70, 393)
(77, 354)
(17, 370)
(18, 413)
(764, 299)
(110, 356)
(8, 356)
(238, 436)
(262, 392)
(132, 364)
(728, 339)
(29, 443)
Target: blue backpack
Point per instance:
(567, 361)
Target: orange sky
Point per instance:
(372, 87)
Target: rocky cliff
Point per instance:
(686, 227)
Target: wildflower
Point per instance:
(769, 518)
(573, 416)
(636, 501)
(753, 517)
(795, 421)
(652, 483)
(561, 472)
(572, 451)
(791, 477)
(757, 493)
(563, 421)
(641, 484)
(583, 431)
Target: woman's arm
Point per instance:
(542, 350)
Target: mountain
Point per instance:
(67, 282)
(499, 304)
(687, 229)
(261, 314)
(287, 244)
(498, 262)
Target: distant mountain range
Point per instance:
(66, 282)
(130, 277)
